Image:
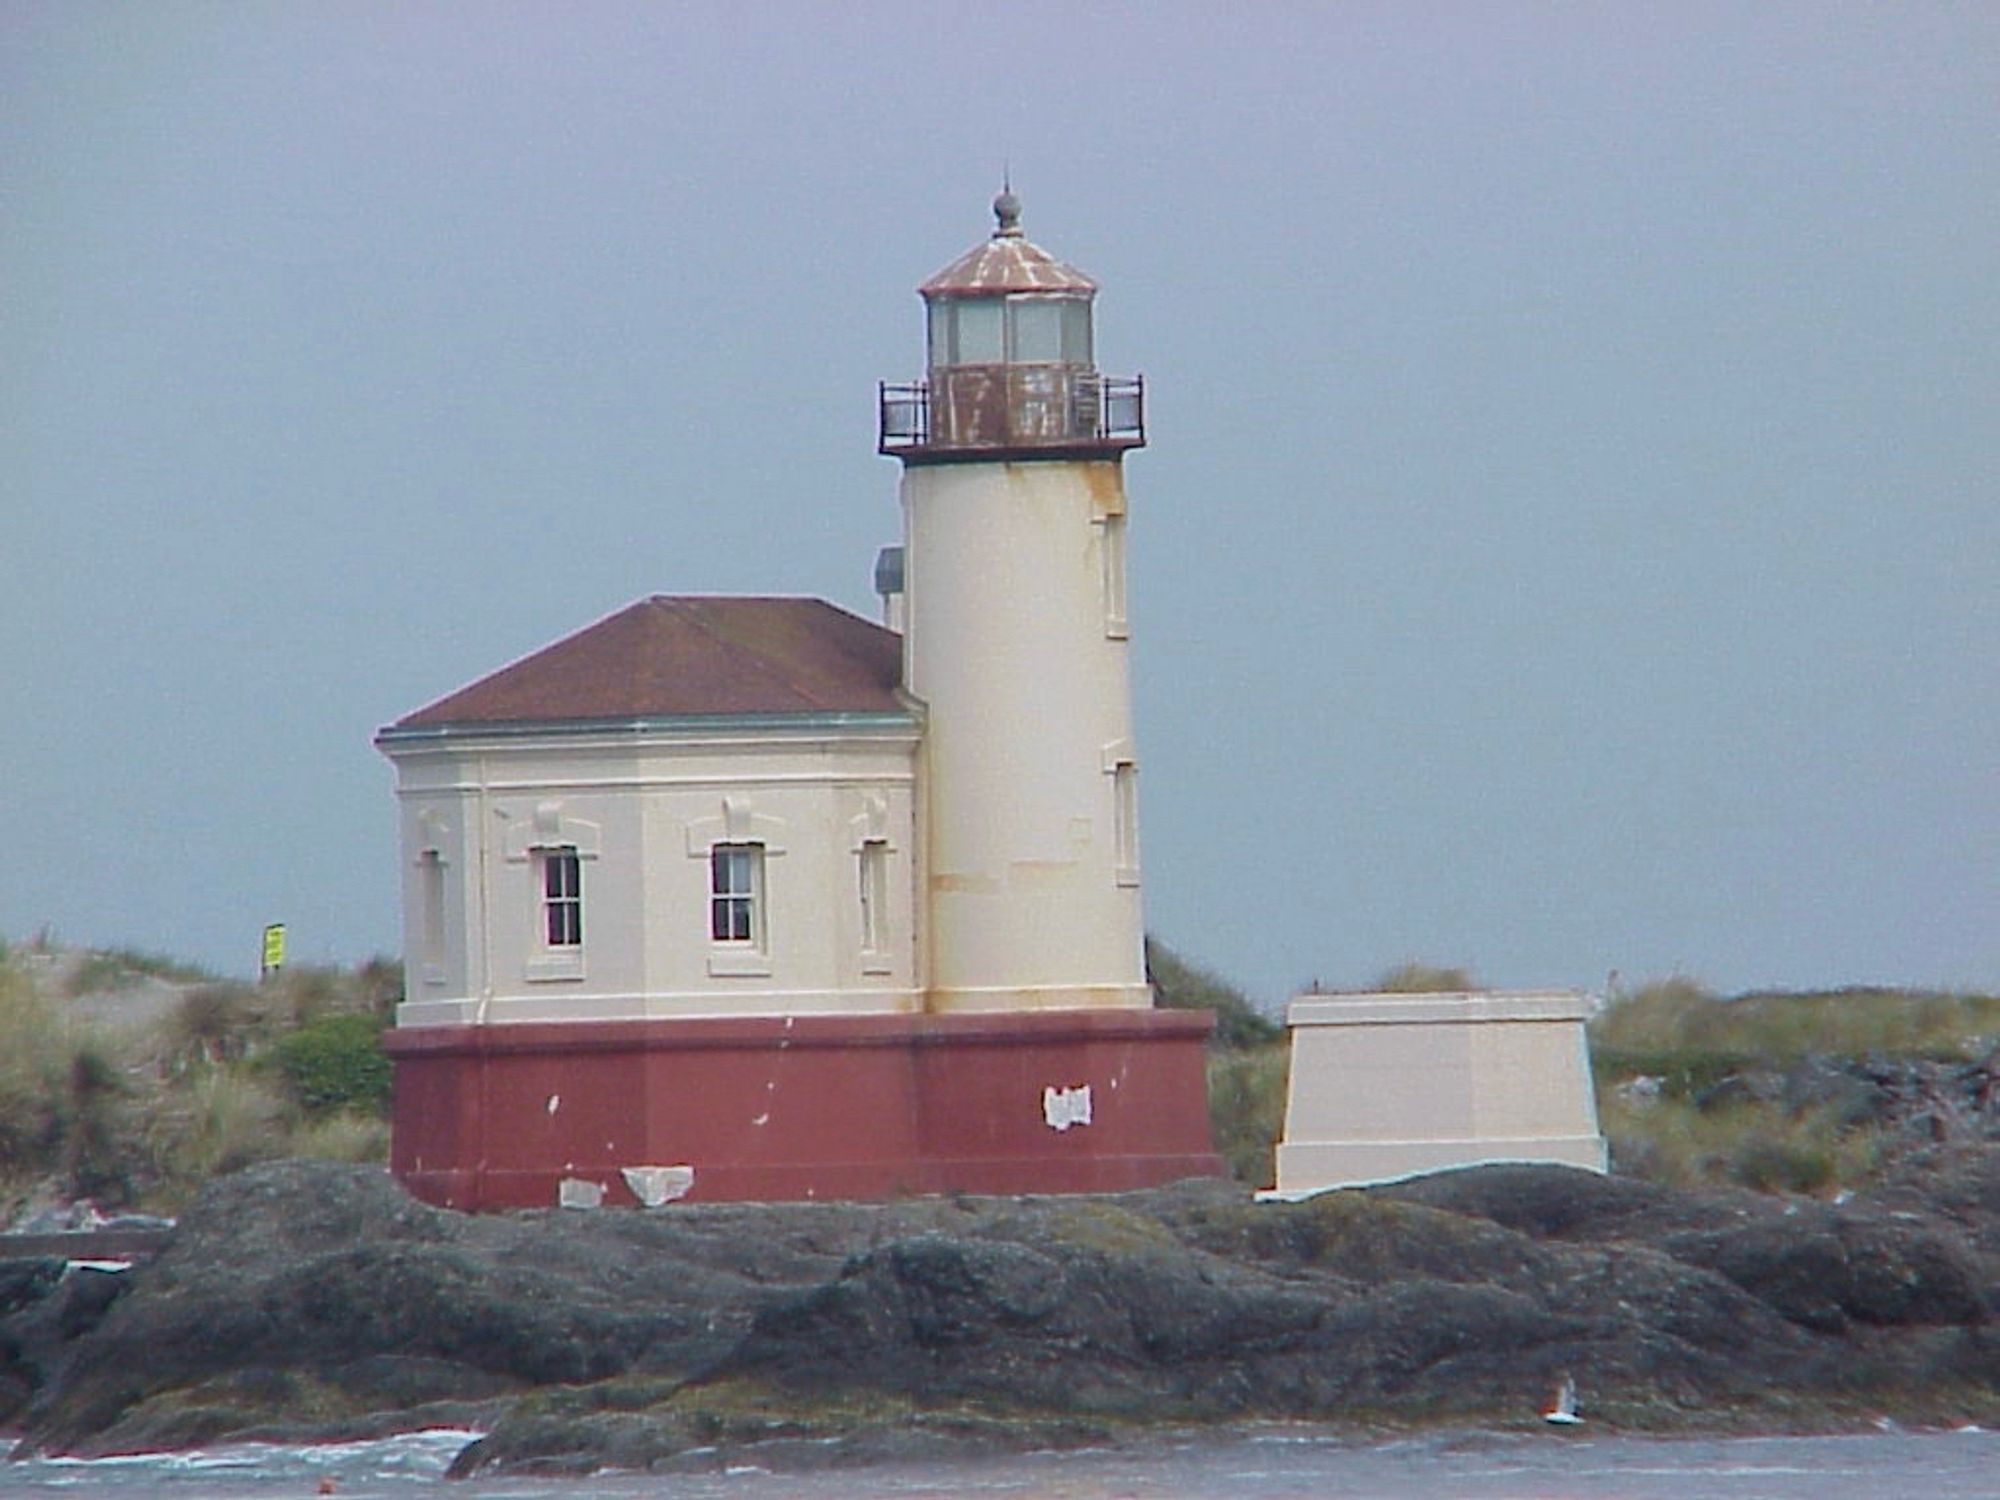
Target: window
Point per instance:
(562, 897)
(940, 332)
(1076, 331)
(978, 329)
(552, 845)
(735, 886)
(873, 867)
(1037, 331)
(1125, 821)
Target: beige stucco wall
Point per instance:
(1387, 1086)
(1017, 644)
(643, 809)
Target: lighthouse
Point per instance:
(752, 898)
(1016, 639)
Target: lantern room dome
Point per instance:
(1006, 262)
(1011, 366)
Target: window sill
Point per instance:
(739, 965)
(554, 966)
(878, 966)
(433, 974)
(1127, 875)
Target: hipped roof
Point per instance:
(672, 656)
(1006, 263)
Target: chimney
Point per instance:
(889, 584)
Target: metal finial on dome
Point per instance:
(1007, 212)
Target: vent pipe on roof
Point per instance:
(889, 585)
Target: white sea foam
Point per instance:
(247, 1467)
(1259, 1464)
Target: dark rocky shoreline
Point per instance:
(304, 1301)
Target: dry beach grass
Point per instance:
(131, 1079)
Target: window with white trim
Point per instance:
(561, 872)
(551, 845)
(736, 895)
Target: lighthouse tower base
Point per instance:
(776, 1108)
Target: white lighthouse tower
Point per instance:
(1015, 637)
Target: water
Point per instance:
(1255, 1465)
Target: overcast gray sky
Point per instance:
(1569, 537)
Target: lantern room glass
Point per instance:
(1021, 329)
(1034, 327)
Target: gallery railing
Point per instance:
(972, 409)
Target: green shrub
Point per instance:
(217, 1023)
(1686, 1133)
(311, 991)
(231, 1073)
(94, 1145)
(1181, 985)
(1746, 1143)
(336, 1062)
(1246, 1108)
(342, 1136)
(1417, 978)
(31, 1079)
(379, 986)
(1783, 1164)
(227, 1119)
(1684, 1074)
(1678, 1018)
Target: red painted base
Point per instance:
(856, 1107)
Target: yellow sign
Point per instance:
(274, 946)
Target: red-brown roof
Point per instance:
(669, 656)
(1006, 263)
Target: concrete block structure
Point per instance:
(1387, 1086)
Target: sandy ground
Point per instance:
(136, 1002)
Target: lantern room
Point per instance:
(1011, 366)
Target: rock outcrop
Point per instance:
(303, 1300)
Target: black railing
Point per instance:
(1022, 408)
(905, 417)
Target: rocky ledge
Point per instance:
(302, 1301)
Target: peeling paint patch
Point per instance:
(1062, 1108)
(1040, 874)
(579, 1192)
(653, 1186)
(970, 885)
(1106, 483)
